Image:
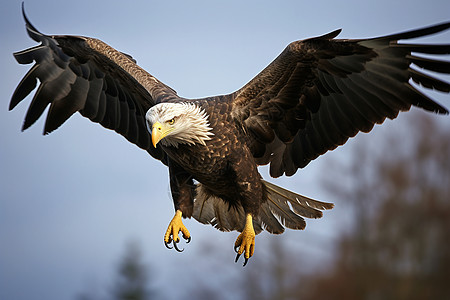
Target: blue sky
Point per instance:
(70, 201)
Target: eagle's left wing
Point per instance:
(319, 92)
(85, 75)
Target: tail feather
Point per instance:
(275, 216)
(297, 199)
(289, 208)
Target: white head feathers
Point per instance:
(183, 123)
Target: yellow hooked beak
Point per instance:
(157, 133)
(160, 131)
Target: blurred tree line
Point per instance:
(399, 244)
(399, 247)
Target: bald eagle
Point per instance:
(312, 98)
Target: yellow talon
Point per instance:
(246, 241)
(175, 226)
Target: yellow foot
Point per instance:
(245, 242)
(175, 226)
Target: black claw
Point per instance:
(245, 262)
(236, 249)
(176, 247)
(175, 244)
(167, 244)
(237, 258)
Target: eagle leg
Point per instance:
(245, 242)
(175, 226)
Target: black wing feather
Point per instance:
(79, 74)
(320, 92)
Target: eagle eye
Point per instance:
(171, 121)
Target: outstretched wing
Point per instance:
(319, 92)
(86, 75)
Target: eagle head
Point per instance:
(178, 123)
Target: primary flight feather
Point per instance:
(314, 96)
